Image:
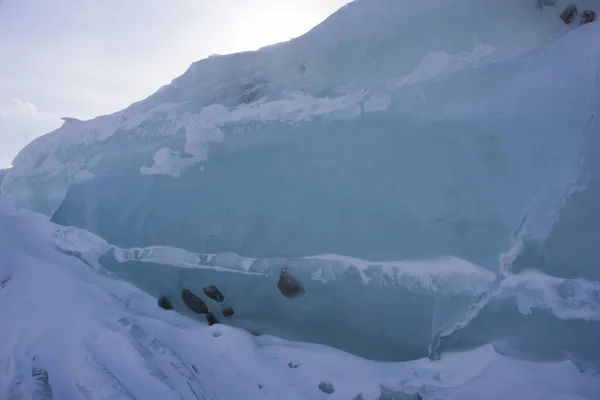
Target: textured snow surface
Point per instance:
(70, 331)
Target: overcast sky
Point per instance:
(83, 58)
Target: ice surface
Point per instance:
(2, 175)
(355, 139)
(357, 296)
(70, 331)
(388, 311)
(455, 145)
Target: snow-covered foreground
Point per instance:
(70, 332)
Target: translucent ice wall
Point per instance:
(393, 131)
(360, 141)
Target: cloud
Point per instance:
(22, 108)
(19, 108)
(21, 122)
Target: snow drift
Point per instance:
(71, 331)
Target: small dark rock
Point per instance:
(193, 302)
(260, 386)
(228, 312)
(587, 16)
(165, 303)
(211, 319)
(569, 14)
(292, 365)
(326, 387)
(287, 285)
(214, 293)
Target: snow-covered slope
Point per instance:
(70, 331)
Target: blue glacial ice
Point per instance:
(454, 146)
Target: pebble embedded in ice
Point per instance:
(193, 302)
(214, 293)
(326, 387)
(165, 303)
(211, 319)
(288, 286)
(228, 312)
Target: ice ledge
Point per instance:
(443, 275)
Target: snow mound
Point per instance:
(72, 332)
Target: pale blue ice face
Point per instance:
(478, 143)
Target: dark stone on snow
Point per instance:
(288, 286)
(193, 302)
(587, 16)
(165, 303)
(214, 293)
(211, 319)
(569, 14)
(292, 365)
(326, 387)
(228, 312)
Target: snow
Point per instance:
(564, 298)
(75, 332)
(168, 162)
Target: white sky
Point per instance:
(83, 58)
